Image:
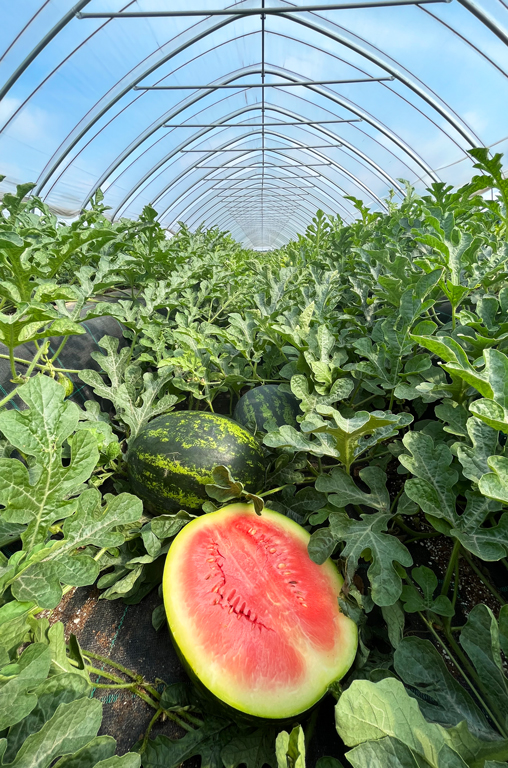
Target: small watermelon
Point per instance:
(266, 403)
(253, 618)
(173, 457)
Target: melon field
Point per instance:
(354, 383)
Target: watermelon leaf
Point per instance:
(414, 601)
(290, 748)
(444, 700)
(342, 490)
(254, 749)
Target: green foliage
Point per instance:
(391, 332)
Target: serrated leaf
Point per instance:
(163, 752)
(367, 535)
(39, 497)
(342, 490)
(368, 712)
(432, 488)
(254, 750)
(474, 459)
(415, 601)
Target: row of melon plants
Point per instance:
(390, 336)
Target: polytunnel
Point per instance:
(251, 115)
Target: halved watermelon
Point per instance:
(256, 621)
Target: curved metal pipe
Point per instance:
(277, 71)
(55, 161)
(201, 132)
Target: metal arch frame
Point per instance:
(249, 108)
(491, 24)
(467, 42)
(300, 215)
(215, 202)
(316, 193)
(486, 19)
(237, 169)
(206, 208)
(133, 146)
(204, 180)
(301, 148)
(48, 37)
(470, 137)
(239, 202)
(222, 220)
(375, 168)
(54, 163)
(208, 192)
(408, 151)
(55, 69)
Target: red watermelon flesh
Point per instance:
(256, 620)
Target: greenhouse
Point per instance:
(254, 384)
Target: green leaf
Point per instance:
(414, 601)
(494, 484)
(443, 699)
(392, 753)
(254, 750)
(72, 726)
(367, 537)
(342, 490)
(353, 436)
(367, 712)
(480, 639)
(17, 698)
(432, 487)
(290, 748)
(163, 752)
(474, 459)
(40, 496)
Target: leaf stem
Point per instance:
(451, 567)
(43, 366)
(151, 724)
(13, 393)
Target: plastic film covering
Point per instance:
(251, 115)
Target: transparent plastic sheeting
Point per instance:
(423, 84)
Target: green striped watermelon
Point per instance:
(173, 457)
(255, 620)
(265, 403)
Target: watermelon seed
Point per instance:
(281, 565)
(272, 550)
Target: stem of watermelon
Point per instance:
(148, 730)
(451, 567)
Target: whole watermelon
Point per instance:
(265, 403)
(173, 457)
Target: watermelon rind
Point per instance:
(173, 457)
(266, 404)
(277, 701)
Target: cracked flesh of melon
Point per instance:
(255, 619)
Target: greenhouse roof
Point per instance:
(251, 115)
